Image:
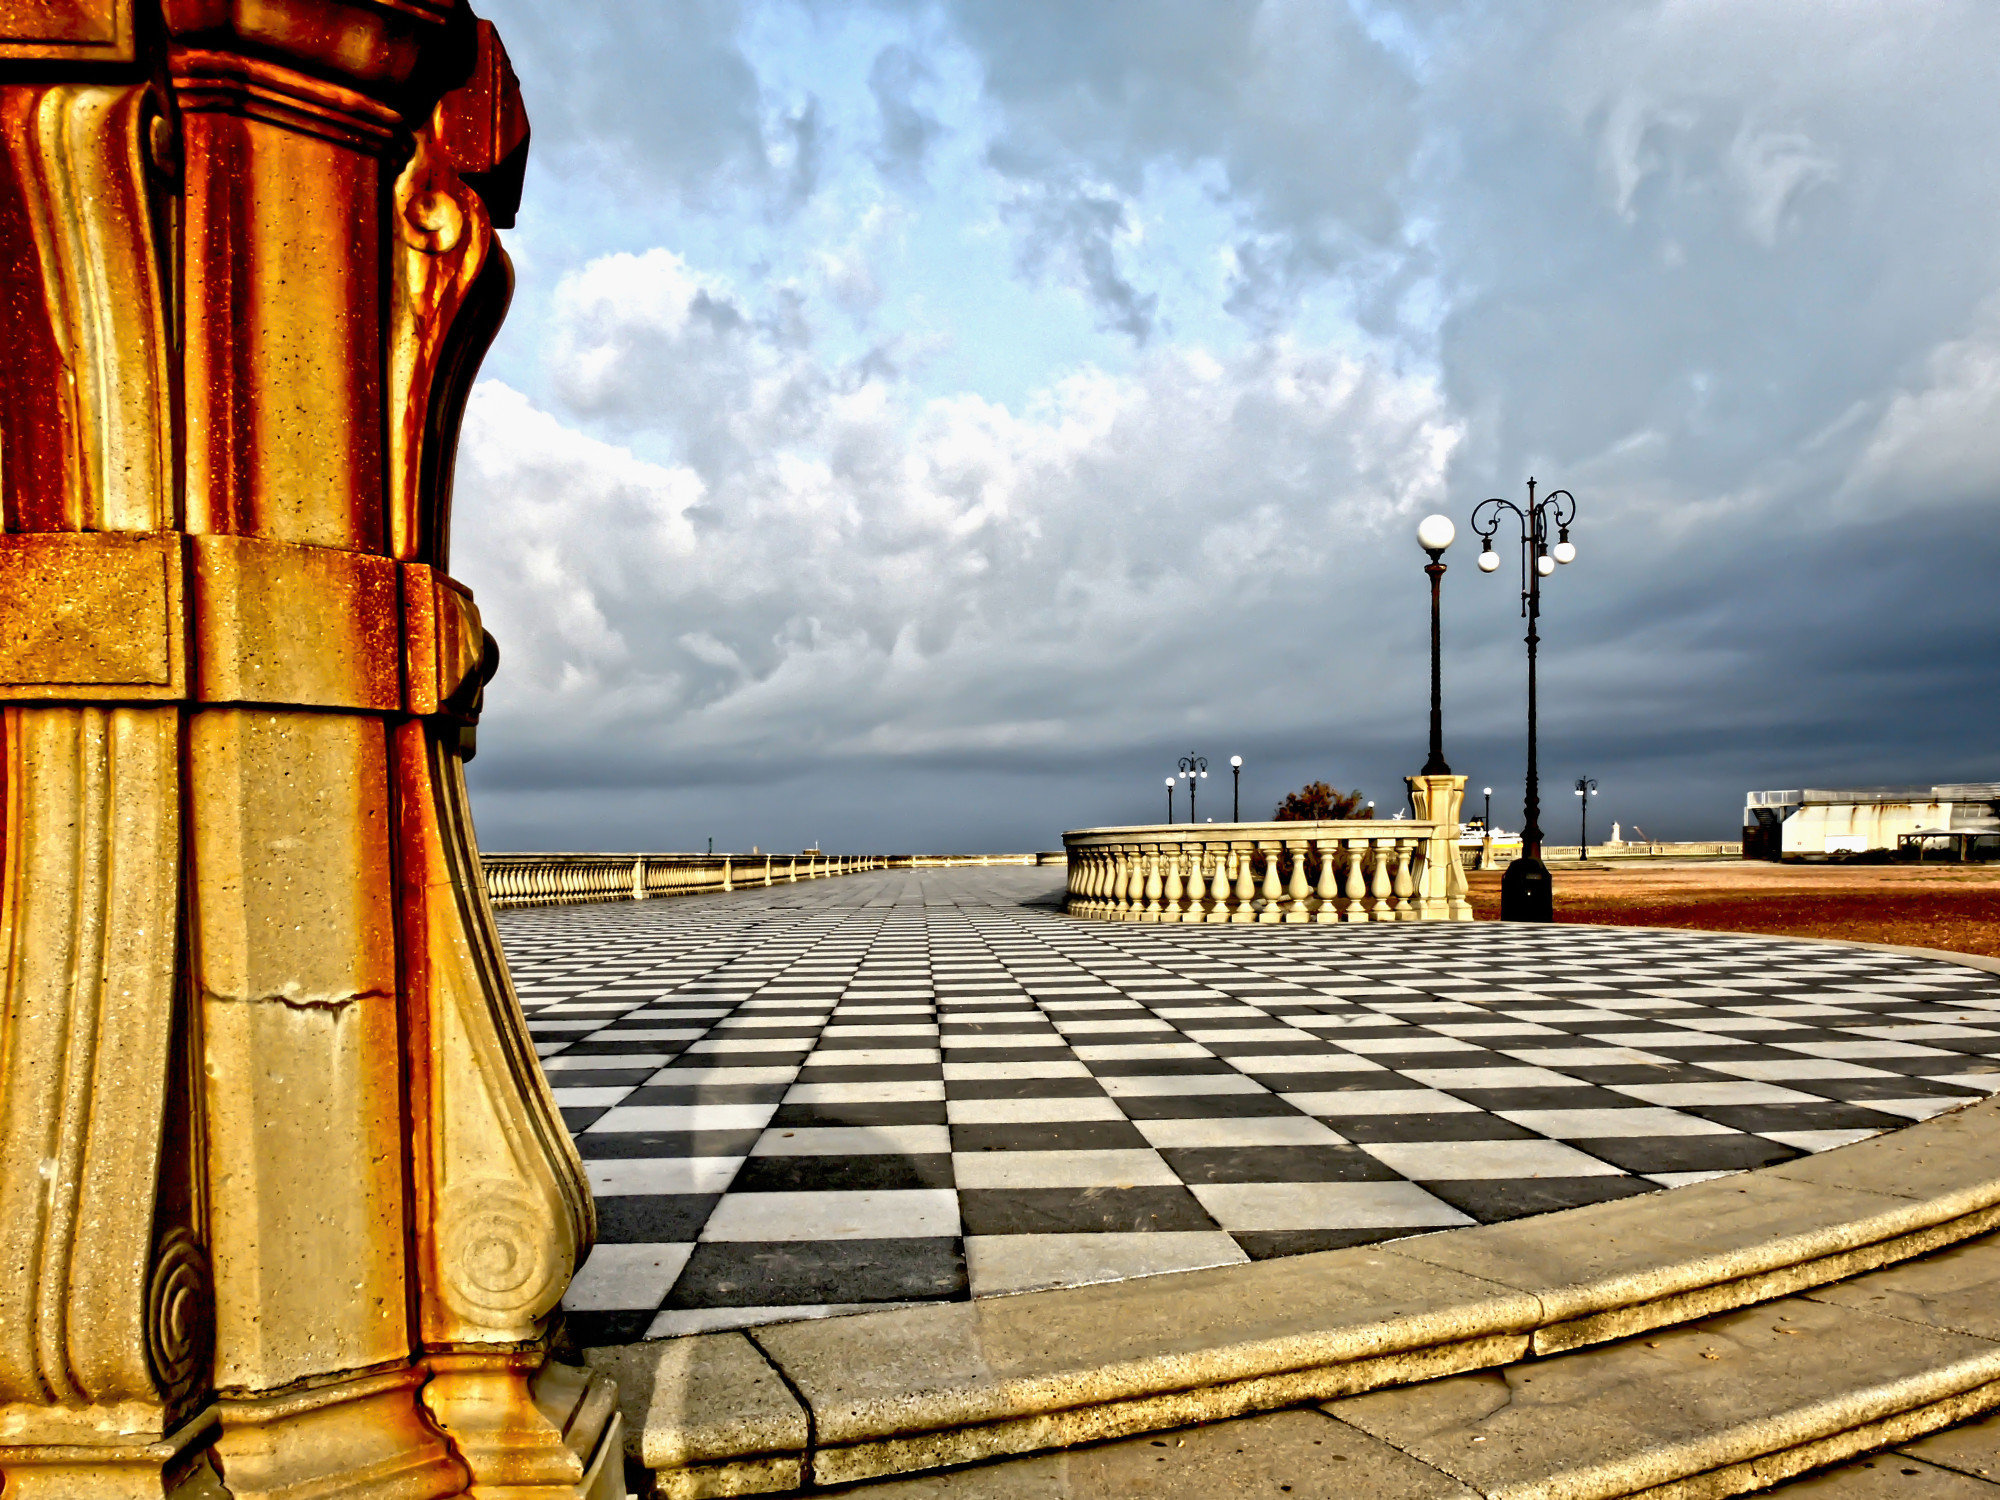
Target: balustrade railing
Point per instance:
(1350, 871)
(557, 879)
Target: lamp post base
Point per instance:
(1526, 893)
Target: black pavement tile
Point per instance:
(1163, 1067)
(1204, 1106)
(1269, 1244)
(1276, 1164)
(1095, 1210)
(1058, 1135)
(829, 1173)
(893, 1112)
(1492, 1199)
(577, 1120)
(652, 1219)
(1687, 1153)
(1809, 1115)
(1861, 1090)
(612, 1145)
(1464, 1125)
(1023, 1088)
(706, 1093)
(805, 1273)
(596, 1330)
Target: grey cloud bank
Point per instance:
(1727, 271)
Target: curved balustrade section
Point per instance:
(1353, 871)
(562, 879)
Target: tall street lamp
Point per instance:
(1586, 788)
(1170, 799)
(1489, 811)
(1236, 789)
(1434, 534)
(1525, 892)
(1194, 768)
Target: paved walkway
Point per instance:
(920, 1086)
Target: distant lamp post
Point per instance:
(1525, 892)
(1236, 789)
(1434, 534)
(1586, 788)
(1170, 799)
(1194, 768)
(1489, 811)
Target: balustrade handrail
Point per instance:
(561, 878)
(1349, 870)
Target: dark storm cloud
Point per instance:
(1729, 271)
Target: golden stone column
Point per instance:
(285, 1203)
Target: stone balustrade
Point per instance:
(562, 879)
(1352, 871)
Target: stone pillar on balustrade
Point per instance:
(1443, 894)
(285, 1204)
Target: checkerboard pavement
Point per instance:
(933, 1085)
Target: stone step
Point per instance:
(903, 1392)
(1726, 1405)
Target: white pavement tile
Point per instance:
(1061, 1169)
(626, 1278)
(1030, 1111)
(1693, 1095)
(1140, 1051)
(625, 1117)
(1493, 1078)
(837, 1215)
(965, 1072)
(1817, 1140)
(624, 1176)
(1450, 1161)
(689, 1077)
(1379, 1102)
(1267, 1130)
(1169, 1084)
(1305, 1062)
(1604, 1124)
(898, 1091)
(855, 1140)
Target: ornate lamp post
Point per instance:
(1586, 788)
(1525, 894)
(1489, 812)
(1170, 799)
(1236, 789)
(1434, 534)
(1194, 768)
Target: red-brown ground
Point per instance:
(1922, 906)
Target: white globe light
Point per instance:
(1236, 760)
(1489, 561)
(1565, 552)
(1170, 781)
(1545, 565)
(1435, 533)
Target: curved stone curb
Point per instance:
(902, 1391)
(1723, 1406)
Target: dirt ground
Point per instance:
(1955, 907)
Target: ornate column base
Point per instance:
(1444, 896)
(530, 1430)
(173, 1467)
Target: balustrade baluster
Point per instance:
(1219, 886)
(1171, 892)
(1382, 908)
(1246, 885)
(1405, 885)
(1326, 906)
(1297, 889)
(1270, 906)
(1151, 859)
(1356, 907)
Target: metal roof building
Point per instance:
(1814, 822)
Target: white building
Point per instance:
(1815, 822)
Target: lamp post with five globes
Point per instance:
(1195, 769)
(1525, 893)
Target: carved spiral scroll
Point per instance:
(500, 1259)
(179, 1320)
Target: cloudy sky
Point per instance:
(921, 422)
